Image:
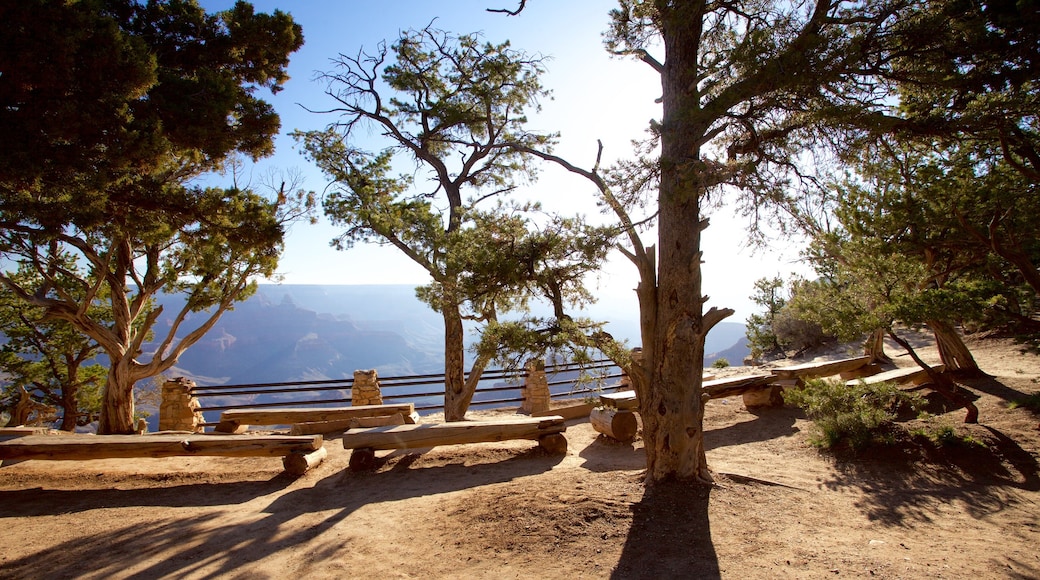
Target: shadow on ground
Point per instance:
(902, 485)
(669, 511)
(213, 544)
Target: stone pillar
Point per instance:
(179, 410)
(366, 389)
(535, 390)
(637, 359)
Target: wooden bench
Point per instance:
(915, 376)
(548, 431)
(335, 418)
(716, 389)
(299, 453)
(812, 370)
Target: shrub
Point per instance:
(943, 434)
(855, 416)
(720, 363)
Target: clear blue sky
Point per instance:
(595, 97)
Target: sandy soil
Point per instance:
(781, 508)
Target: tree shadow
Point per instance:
(205, 547)
(606, 454)
(50, 502)
(992, 386)
(668, 511)
(903, 485)
(768, 424)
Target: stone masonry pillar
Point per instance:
(179, 410)
(366, 389)
(535, 390)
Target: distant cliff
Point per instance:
(311, 332)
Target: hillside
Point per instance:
(300, 332)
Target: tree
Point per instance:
(966, 72)
(743, 88)
(49, 360)
(867, 284)
(456, 107)
(740, 86)
(115, 116)
(760, 333)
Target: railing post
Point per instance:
(535, 390)
(626, 381)
(179, 410)
(366, 389)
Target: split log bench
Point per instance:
(812, 370)
(548, 431)
(914, 376)
(299, 453)
(327, 419)
(616, 418)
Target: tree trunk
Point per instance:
(69, 405)
(672, 408)
(874, 347)
(952, 350)
(456, 397)
(941, 382)
(117, 402)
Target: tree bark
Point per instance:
(874, 347)
(672, 407)
(456, 397)
(952, 350)
(117, 403)
(69, 404)
(941, 382)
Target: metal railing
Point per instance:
(497, 388)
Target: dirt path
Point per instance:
(506, 510)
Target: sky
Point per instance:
(594, 97)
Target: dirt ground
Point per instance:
(781, 509)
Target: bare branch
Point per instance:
(519, 9)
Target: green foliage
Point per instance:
(943, 434)
(761, 336)
(720, 363)
(783, 325)
(48, 357)
(115, 108)
(854, 416)
(457, 106)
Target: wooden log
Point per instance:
(569, 412)
(914, 375)
(6, 432)
(362, 459)
(619, 400)
(322, 427)
(554, 444)
(81, 447)
(863, 371)
(435, 434)
(235, 420)
(820, 369)
(736, 385)
(615, 423)
(771, 396)
(296, 464)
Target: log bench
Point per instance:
(914, 376)
(239, 420)
(616, 417)
(548, 431)
(299, 453)
(716, 389)
(812, 370)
